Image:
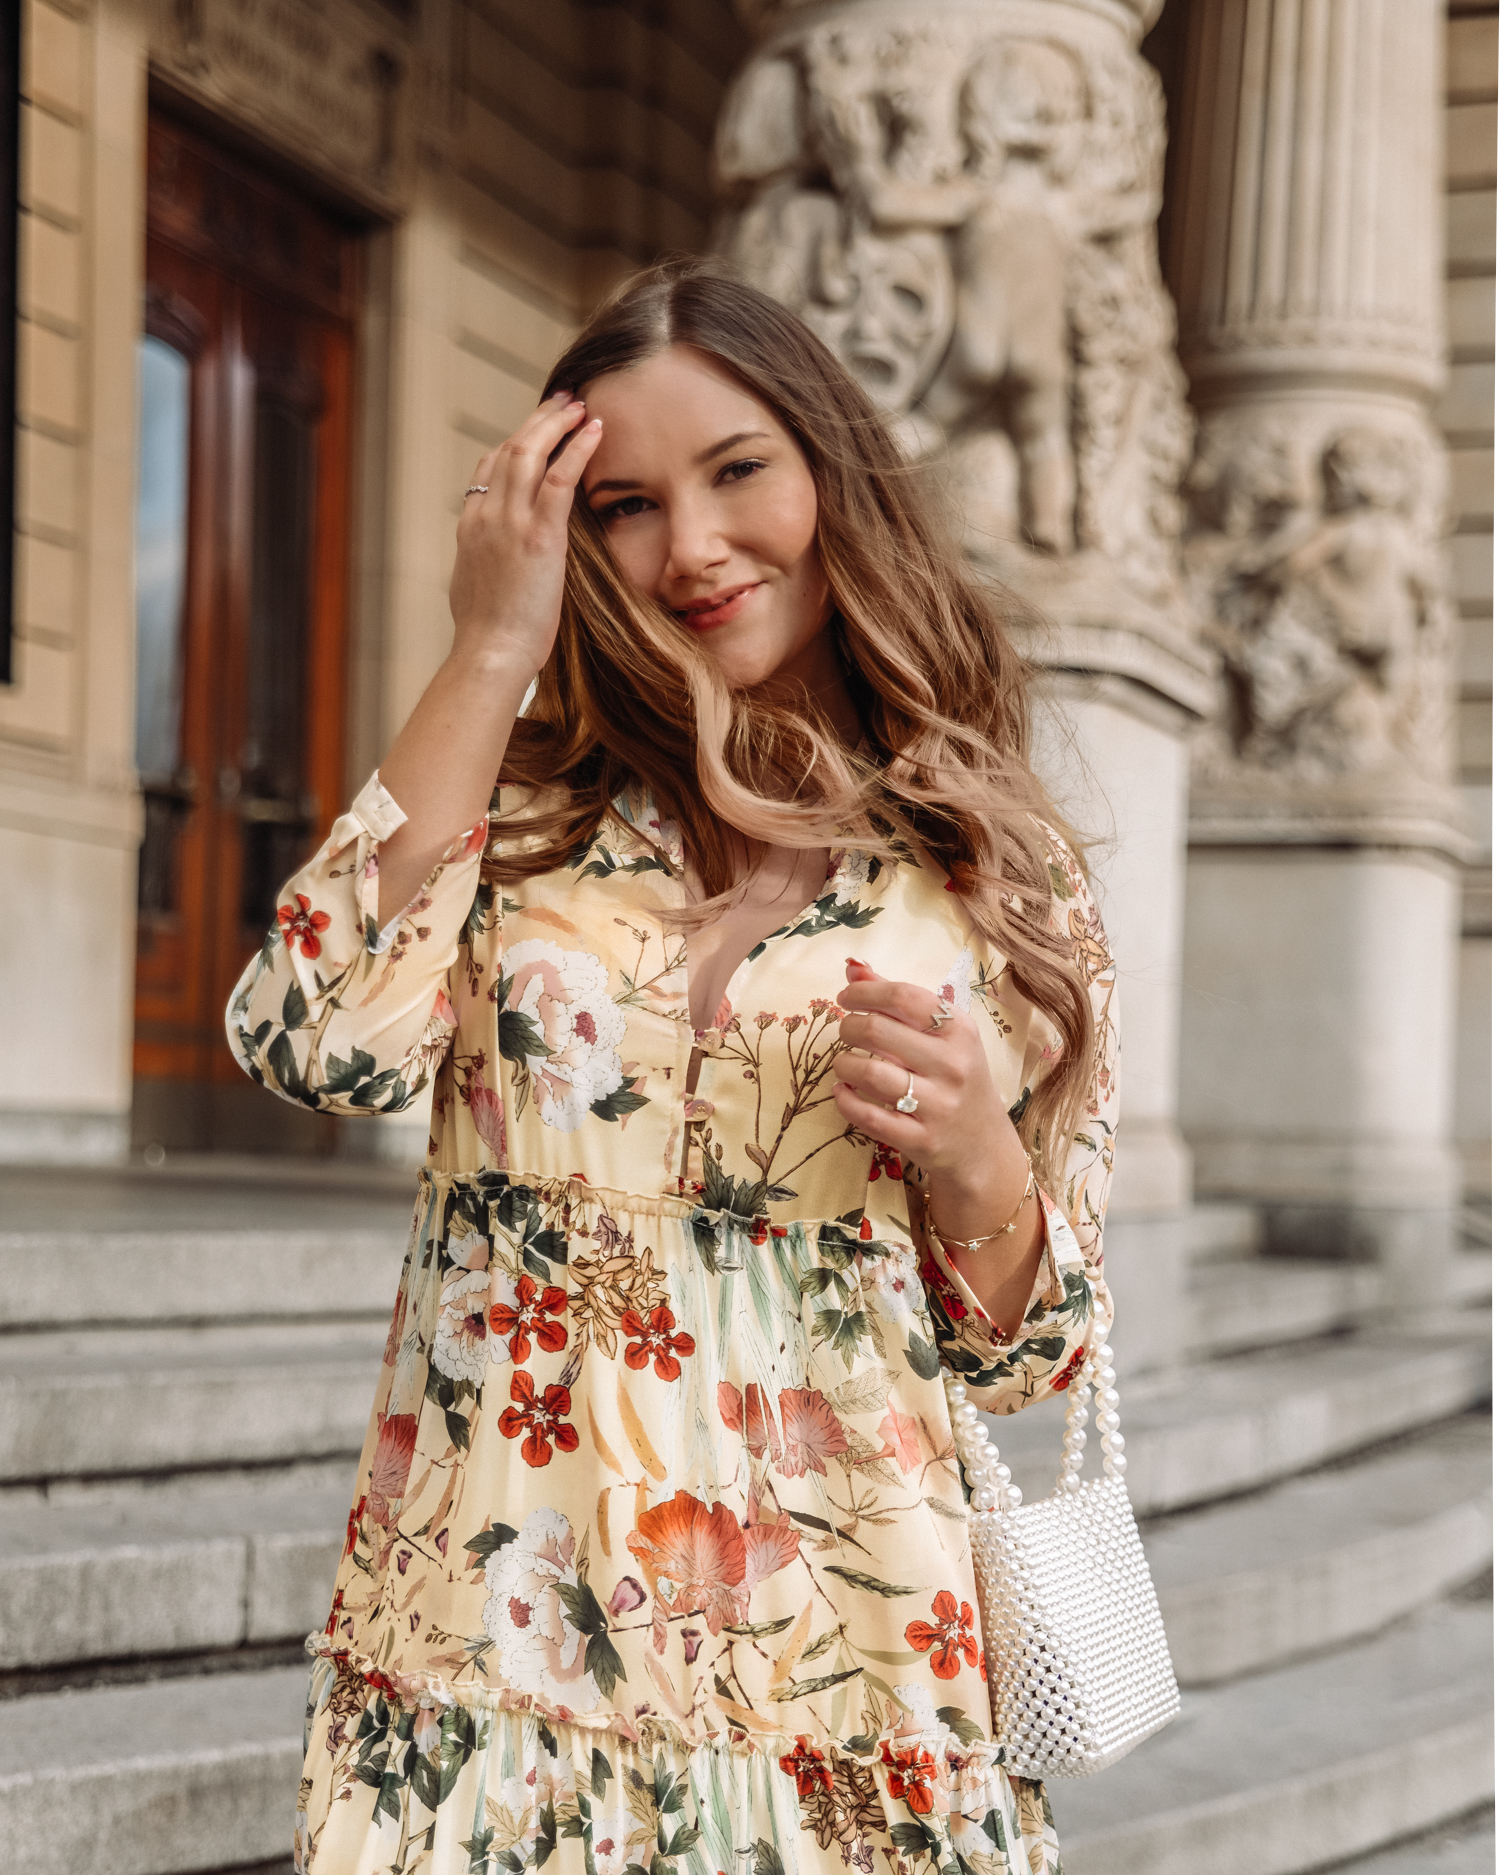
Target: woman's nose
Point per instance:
(694, 540)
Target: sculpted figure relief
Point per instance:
(966, 214)
(1314, 556)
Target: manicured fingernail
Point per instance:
(595, 423)
(562, 397)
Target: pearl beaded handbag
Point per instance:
(1079, 1671)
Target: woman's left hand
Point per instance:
(960, 1132)
(960, 1117)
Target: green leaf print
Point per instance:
(517, 1038)
(767, 1861)
(758, 1630)
(604, 1662)
(483, 1546)
(343, 1076)
(294, 1006)
(857, 1579)
(478, 1847)
(615, 1106)
(922, 1357)
(600, 1773)
(957, 1720)
(815, 1650)
(804, 1689)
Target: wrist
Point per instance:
(475, 655)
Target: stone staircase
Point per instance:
(186, 1364)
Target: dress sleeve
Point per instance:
(1070, 1303)
(334, 1013)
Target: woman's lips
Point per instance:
(721, 609)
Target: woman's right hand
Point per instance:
(507, 586)
(506, 596)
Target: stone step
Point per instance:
(1463, 1848)
(102, 1401)
(1257, 1302)
(176, 1775)
(163, 1573)
(1293, 1770)
(193, 1276)
(1231, 1426)
(1324, 1559)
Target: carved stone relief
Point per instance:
(963, 207)
(1312, 555)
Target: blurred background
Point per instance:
(1192, 309)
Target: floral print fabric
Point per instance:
(658, 1558)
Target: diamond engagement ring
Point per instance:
(908, 1101)
(476, 488)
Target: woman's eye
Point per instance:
(622, 509)
(737, 471)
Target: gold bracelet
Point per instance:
(1001, 1230)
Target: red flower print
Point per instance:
(886, 1159)
(750, 1418)
(654, 1340)
(951, 1637)
(808, 1765)
(300, 924)
(541, 1420)
(911, 1773)
(351, 1536)
(812, 1432)
(1062, 1381)
(532, 1315)
(701, 1550)
(391, 1466)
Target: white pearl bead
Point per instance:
(1002, 1474)
(1110, 1421)
(1071, 1481)
(989, 1452)
(1117, 1462)
(1106, 1377)
(967, 1414)
(1115, 1441)
(985, 1499)
(1013, 1493)
(1075, 1439)
(1104, 1353)
(1109, 1398)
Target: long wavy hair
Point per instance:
(630, 699)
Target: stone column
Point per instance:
(1322, 917)
(960, 199)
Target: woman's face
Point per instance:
(710, 509)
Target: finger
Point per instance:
(896, 1130)
(905, 1002)
(561, 479)
(896, 1041)
(883, 1082)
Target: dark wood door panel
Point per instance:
(250, 292)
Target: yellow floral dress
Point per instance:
(658, 1560)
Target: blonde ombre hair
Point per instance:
(628, 698)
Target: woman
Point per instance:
(658, 1558)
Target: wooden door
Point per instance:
(242, 592)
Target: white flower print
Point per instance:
(896, 1280)
(850, 875)
(956, 989)
(565, 994)
(540, 1650)
(460, 1348)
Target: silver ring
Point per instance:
(939, 1017)
(908, 1101)
(476, 488)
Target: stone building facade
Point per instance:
(1239, 451)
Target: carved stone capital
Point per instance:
(961, 202)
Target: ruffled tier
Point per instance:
(479, 1780)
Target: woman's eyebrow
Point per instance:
(704, 455)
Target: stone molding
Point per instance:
(337, 86)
